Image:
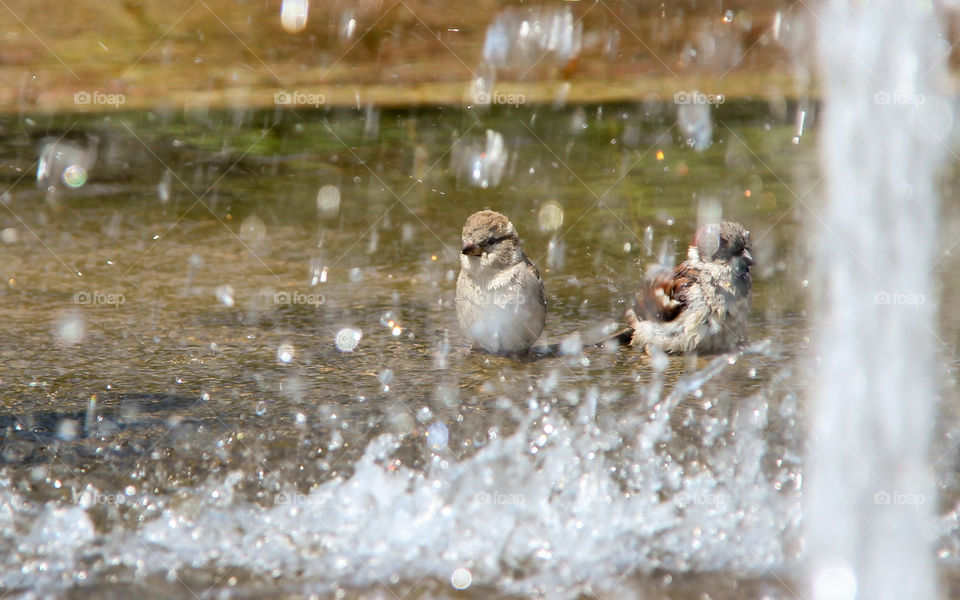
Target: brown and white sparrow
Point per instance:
(500, 301)
(702, 304)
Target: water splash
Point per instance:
(874, 405)
(597, 495)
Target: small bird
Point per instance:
(701, 305)
(500, 301)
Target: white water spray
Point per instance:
(870, 497)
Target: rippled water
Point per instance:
(231, 362)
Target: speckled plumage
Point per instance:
(702, 305)
(500, 301)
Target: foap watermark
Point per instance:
(702, 498)
(97, 97)
(898, 498)
(109, 499)
(498, 498)
(897, 298)
(513, 299)
(294, 297)
(899, 98)
(299, 98)
(294, 499)
(499, 98)
(696, 97)
(98, 298)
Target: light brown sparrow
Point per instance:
(500, 301)
(701, 305)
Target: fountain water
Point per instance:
(870, 497)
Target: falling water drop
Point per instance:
(461, 579)
(224, 294)
(328, 201)
(348, 338)
(696, 122)
(348, 27)
(438, 436)
(293, 15)
(163, 188)
(285, 352)
(74, 176)
(551, 216)
(70, 328)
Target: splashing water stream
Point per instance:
(869, 502)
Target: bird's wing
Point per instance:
(664, 295)
(529, 263)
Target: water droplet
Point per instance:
(390, 320)
(293, 15)
(571, 345)
(556, 254)
(551, 216)
(74, 176)
(224, 294)
(659, 361)
(481, 166)
(371, 122)
(66, 162)
(461, 579)
(521, 39)
(70, 328)
(285, 352)
(163, 188)
(253, 229)
(328, 200)
(438, 436)
(696, 123)
(348, 27)
(424, 414)
(348, 338)
(318, 273)
(67, 429)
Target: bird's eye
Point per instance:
(491, 241)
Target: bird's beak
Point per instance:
(747, 257)
(471, 250)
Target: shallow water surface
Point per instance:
(231, 361)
